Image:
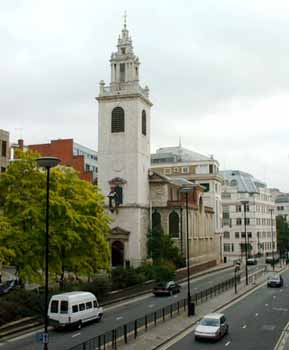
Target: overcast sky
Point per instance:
(218, 72)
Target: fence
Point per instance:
(110, 339)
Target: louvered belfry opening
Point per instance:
(117, 120)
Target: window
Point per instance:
(227, 247)
(249, 234)
(226, 195)
(119, 194)
(123, 50)
(227, 235)
(3, 169)
(174, 224)
(95, 304)
(81, 307)
(232, 247)
(74, 308)
(144, 122)
(156, 222)
(87, 167)
(176, 170)
(207, 186)
(247, 221)
(238, 208)
(88, 305)
(237, 235)
(167, 171)
(243, 235)
(185, 170)
(233, 183)
(54, 307)
(238, 221)
(211, 168)
(117, 120)
(4, 148)
(64, 307)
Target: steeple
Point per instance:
(124, 63)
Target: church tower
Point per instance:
(124, 153)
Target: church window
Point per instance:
(122, 71)
(144, 122)
(167, 171)
(156, 222)
(117, 120)
(123, 50)
(185, 170)
(174, 224)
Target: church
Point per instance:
(138, 198)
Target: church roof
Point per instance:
(176, 155)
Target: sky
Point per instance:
(218, 73)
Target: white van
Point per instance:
(73, 308)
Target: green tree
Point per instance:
(79, 227)
(282, 228)
(162, 248)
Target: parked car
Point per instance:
(252, 261)
(7, 286)
(275, 281)
(212, 326)
(269, 259)
(166, 288)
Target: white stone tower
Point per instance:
(124, 153)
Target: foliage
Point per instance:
(126, 277)
(161, 247)
(79, 227)
(282, 228)
(163, 272)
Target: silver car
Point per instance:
(212, 326)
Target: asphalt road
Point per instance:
(256, 322)
(117, 316)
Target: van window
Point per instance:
(54, 307)
(88, 305)
(74, 308)
(81, 307)
(64, 307)
(95, 303)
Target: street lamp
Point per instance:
(188, 190)
(245, 203)
(273, 258)
(48, 163)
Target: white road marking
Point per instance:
(228, 343)
(274, 296)
(266, 304)
(175, 296)
(257, 314)
(244, 326)
(75, 335)
(151, 305)
(119, 318)
(196, 288)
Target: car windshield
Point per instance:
(274, 278)
(162, 285)
(210, 322)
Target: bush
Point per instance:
(126, 277)
(164, 271)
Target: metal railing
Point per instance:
(111, 338)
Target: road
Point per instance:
(117, 315)
(256, 322)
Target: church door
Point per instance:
(117, 254)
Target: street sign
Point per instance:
(42, 338)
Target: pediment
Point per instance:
(119, 231)
(117, 181)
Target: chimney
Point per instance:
(21, 144)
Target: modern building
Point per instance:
(90, 158)
(4, 150)
(241, 190)
(282, 205)
(138, 198)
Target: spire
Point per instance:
(180, 142)
(124, 20)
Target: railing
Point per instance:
(111, 338)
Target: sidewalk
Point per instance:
(158, 337)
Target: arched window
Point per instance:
(117, 120)
(156, 222)
(144, 122)
(174, 228)
(234, 183)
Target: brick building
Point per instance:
(64, 149)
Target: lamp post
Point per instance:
(188, 190)
(48, 163)
(245, 203)
(273, 257)
(235, 279)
